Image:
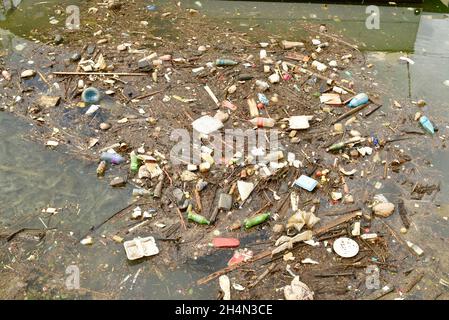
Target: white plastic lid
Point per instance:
(346, 247)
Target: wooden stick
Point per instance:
(12, 235)
(339, 211)
(372, 111)
(199, 207)
(412, 280)
(327, 275)
(379, 293)
(403, 214)
(261, 209)
(93, 228)
(319, 76)
(398, 238)
(214, 215)
(145, 95)
(335, 223)
(350, 113)
(44, 79)
(71, 73)
(263, 275)
(181, 218)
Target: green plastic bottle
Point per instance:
(254, 221)
(191, 215)
(134, 162)
(336, 146)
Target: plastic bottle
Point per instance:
(358, 100)
(134, 162)
(336, 146)
(101, 168)
(262, 85)
(225, 62)
(427, 125)
(263, 122)
(91, 95)
(341, 145)
(191, 215)
(319, 66)
(113, 158)
(254, 221)
(263, 99)
(137, 192)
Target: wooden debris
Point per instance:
(412, 280)
(263, 275)
(350, 113)
(403, 214)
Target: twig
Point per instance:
(263, 275)
(339, 211)
(350, 113)
(399, 239)
(403, 214)
(327, 275)
(412, 280)
(181, 218)
(70, 73)
(335, 223)
(372, 111)
(145, 95)
(93, 228)
(199, 207)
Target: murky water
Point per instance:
(33, 178)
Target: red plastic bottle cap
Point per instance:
(225, 242)
(260, 105)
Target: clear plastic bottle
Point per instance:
(113, 158)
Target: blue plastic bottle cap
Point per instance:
(91, 95)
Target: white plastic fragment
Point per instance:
(225, 285)
(299, 122)
(309, 261)
(207, 124)
(297, 290)
(245, 189)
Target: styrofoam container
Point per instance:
(140, 247)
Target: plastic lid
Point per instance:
(345, 247)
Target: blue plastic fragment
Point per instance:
(263, 99)
(306, 183)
